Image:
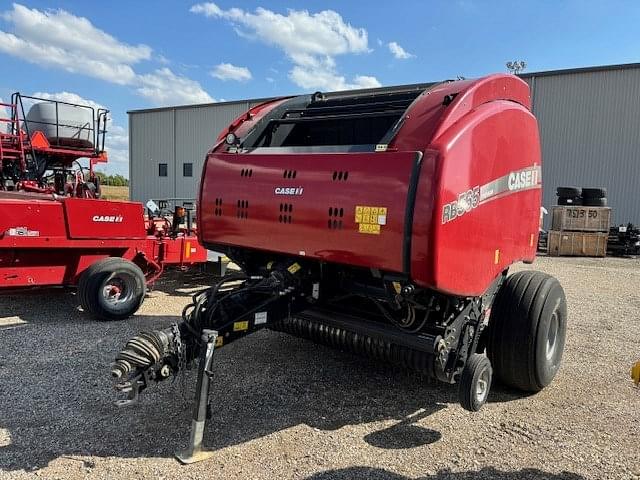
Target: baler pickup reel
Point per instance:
(236, 306)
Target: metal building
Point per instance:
(589, 126)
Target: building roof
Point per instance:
(546, 73)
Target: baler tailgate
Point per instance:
(314, 205)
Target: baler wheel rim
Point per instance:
(475, 382)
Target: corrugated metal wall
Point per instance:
(174, 136)
(590, 135)
(589, 127)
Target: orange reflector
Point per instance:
(187, 249)
(496, 256)
(531, 241)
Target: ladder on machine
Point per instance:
(15, 142)
(12, 139)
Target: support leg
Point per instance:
(196, 452)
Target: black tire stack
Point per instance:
(569, 195)
(587, 196)
(594, 197)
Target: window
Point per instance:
(187, 169)
(162, 169)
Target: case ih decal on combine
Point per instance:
(55, 230)
(415, 205)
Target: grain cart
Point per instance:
(54, 229)
(381, 224)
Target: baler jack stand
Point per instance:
(196, 452)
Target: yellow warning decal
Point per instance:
(219, 341)
(240, 326)
(294, 267)
(370, 219)
(397, 286)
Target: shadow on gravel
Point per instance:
(57, 396)
(489, 473)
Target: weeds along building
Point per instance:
(589, 122)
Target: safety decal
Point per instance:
(525, 179)
(219, 341)
(240, 326)
(370, 219)
(260, 318)
(23, 232)
(293, 268)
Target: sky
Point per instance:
(127, 55)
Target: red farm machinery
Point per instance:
(378, 223)
(55, 230)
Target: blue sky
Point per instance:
(140, 54)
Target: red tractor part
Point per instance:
(108, 249)
(381, 224)
(28, 157)
(53, 228)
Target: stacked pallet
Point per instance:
(579, 228)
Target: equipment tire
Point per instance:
(112, 301)
(569, 192)
(594, 202)
(527, 330)
(475, 382)
(594, 192)
(570, 201)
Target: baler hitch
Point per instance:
(237, 306)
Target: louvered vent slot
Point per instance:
(285, 213)
(218, 207)
(242, 210)
(335, 218)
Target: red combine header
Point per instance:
(377, 223)
(55, 229)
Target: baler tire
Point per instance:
(568, 192)
(594, 202)
(92, 289)
(475, 382)
(527, 330)
(594, 192)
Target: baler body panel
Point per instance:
(490, 161)
(312, 205)
(470, 210)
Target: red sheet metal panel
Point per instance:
(344, 208)
(89, 218)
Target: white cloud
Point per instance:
(117, 138)
(399, 52)
(227, 71)
(163, 87)
(59, 39)
(310, 41)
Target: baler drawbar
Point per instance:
(381, 224)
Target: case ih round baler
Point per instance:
(54, 228)
(377, 223)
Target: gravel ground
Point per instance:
(287, 408)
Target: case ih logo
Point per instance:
(108, 218)
(289, 190)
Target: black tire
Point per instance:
(569, 201)
(594, 202)
(594, 193)
(527, 330)
(126, 290)
(568, 192)
(475, 382)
